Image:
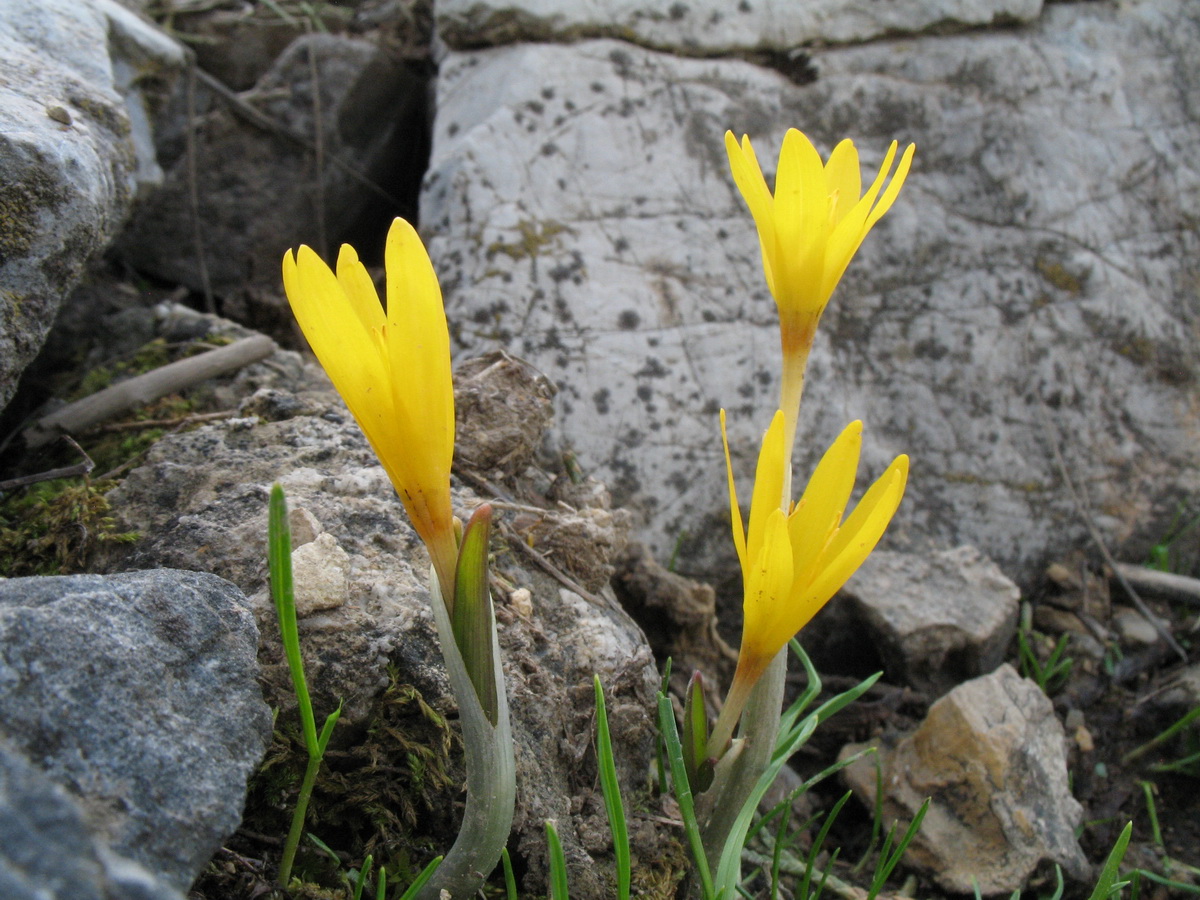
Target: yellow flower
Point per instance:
(393, 371)
(809, 230)
(794, 561)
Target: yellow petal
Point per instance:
(347, 351)
(823, 503)
(747, 175)
(860, 533)
(768, 485)
(360, 290)
(893, 188)
(844, 179)
(735, 512)
(767, 586)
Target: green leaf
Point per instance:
(1107, 884)
(558, 864)
(612, 794)
(683, 793)
(695, 736)
(279, 549)
(471, 617)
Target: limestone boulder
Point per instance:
(137, 695)
(710, 26)
(75, 150)
(1032, 289)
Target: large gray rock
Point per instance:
(992, 758)
(710, 26)
(47, 851)
(202, 496)
(1036, 277)
(936, 619)
(75, 147)
(137, 693)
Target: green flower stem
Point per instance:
(293, 839)
(737, 775)
(491, 769)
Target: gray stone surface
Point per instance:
(992, 756)
(716, 25)
(47, 851)
(936, 619)
(1036, 277)
(137, 693)
(202, 497)
(75, 148)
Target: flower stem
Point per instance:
(491, 770)
(293, 839)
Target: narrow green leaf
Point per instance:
(558, 864)
(683, 793)
(381, 886)
(815, 849)
(611, 788)
(471, 617)
(889, 861)
(1106, 884)
(360, 878)
(510, 880)
(279, 550)
(695, 736)
(425, 875)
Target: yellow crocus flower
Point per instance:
(392, 369)
(809, 230)
(793, 562)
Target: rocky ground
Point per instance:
(1025, 328)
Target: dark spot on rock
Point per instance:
(597, 87)
(722, 234)
(535, 107)
(547, 93)
(653, 368)
(745, 6)
(600, 398)
(628, 320)
(930, 349)
(677, 11)
(621, 245)
(549, 149)
(644, 393)
(452, 129)
(708, 315)
(745, 390)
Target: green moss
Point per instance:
(388, 793)
(52, 528)
(533, 238)
(1060, 276)
(23, 196)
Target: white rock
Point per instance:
(713, 25)
(580, 211)
(75, 149)
(321, 574)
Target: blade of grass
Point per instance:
(558, 864)
(611, 789)
(683, 793)
(889, 861)
(1107, 884)
(419, 883)
(510, 880)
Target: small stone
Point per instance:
(521, 600)
(1134, 628)
(321, 575)
(304, 526)
(992, 756)
(935, 618)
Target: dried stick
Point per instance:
(1166, 585)
(83, 414)
(82, 468)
